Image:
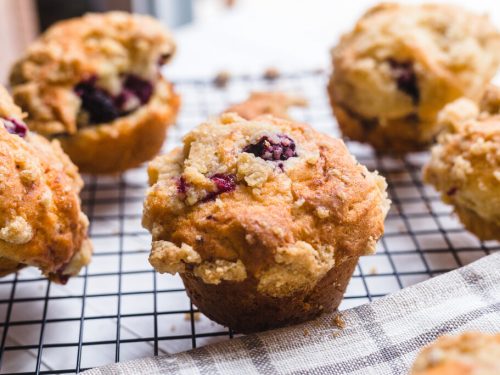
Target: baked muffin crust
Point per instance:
(41, 223)
(471, 353)
(401, 64)
(262, 211)
(94, 83)
(465, 163)
(261, 103)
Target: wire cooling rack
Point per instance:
(118, 309)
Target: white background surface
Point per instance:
(288, 34)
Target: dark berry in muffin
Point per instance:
(15, 126)
(406, 79)
(273, 148)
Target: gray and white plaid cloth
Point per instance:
(382, 337)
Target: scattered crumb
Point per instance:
(230, 3)
(306, 332)
(222, 78)
(373, 270)
(271, 73)
(338, 322)
(196, 316)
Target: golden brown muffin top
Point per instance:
(41, 223)
(97, 43)
(465, 163)
(99, 49)
(471, 353)
(269, 199)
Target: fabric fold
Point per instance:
(382, 337)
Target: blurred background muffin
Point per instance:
(275, 103)
(401, 64)
(465, 163)
(95, 84)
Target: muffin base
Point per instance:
(396, 137)
(8, 266)
(240, 306)
(483, 229)
(128, 141)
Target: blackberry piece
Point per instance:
(97, 102)
(273, 148)
(224, 183)
(15, 126)
(406, 79)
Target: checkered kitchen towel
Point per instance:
(382, 337)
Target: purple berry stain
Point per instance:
(224, 184)
(103, 107)
(15, 126)
(452, 191)
(181, 185)
(163, 59)
(97, 102)
(139, 87)
(406, 79)
(273, 148)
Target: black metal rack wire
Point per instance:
(118, 308)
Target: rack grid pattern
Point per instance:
(118, 308)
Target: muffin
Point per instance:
(471, 353)
(94, 83)
(465, 163)
(41, 223)
(401, 64)
(267, 103)
(264, 220)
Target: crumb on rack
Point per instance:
(306, 332)
(196, 316)
(271, 73)
(222, 78)
(373, 270)
(338, 321)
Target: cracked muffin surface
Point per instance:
(41, 222)
(470, 353)
(267, 213)
(401, 64)
(94, 82)
(465, 163)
